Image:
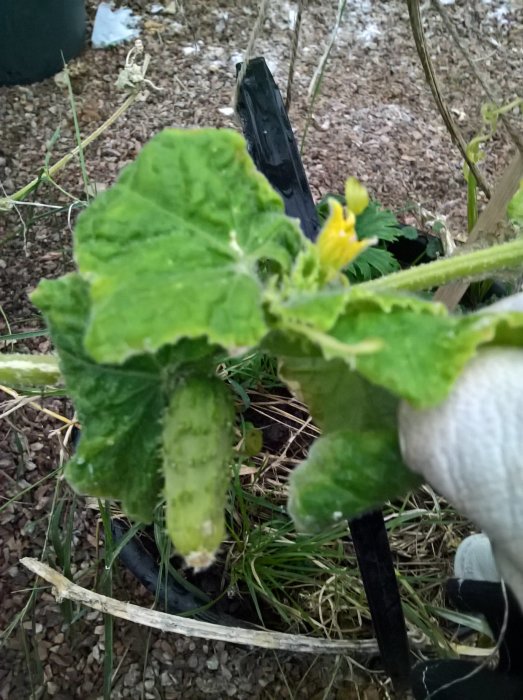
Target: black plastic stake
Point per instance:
(272, 145)
(371, 544)
(273, 148)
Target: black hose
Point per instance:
(171, 595)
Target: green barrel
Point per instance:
(35, 34)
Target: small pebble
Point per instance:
(192, 661)
(213, 663)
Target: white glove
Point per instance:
(470, 448)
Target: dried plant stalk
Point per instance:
(430, 75)
(194, 628)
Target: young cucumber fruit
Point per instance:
(197, 451)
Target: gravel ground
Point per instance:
(374, 118)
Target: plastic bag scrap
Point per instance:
(113, 26)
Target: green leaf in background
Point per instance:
(119, 407)
(434, 248)
(374, 221)
(373, 262)
(515, 207)
(379, 222)
(346, 474)
(377, 261)
(408, 232)
(172, 250)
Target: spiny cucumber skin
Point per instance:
(197, 450)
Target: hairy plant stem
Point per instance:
(467, 265)
(29, 370)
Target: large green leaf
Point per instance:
(173, 249)
(422, 350)
(506, 328)
(336, 396)
(346, 474)
(119, 407)
(421, 355)
(319, 309)
(409, 346)
(406, 345)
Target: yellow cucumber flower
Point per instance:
(337, 243)
(356, 196)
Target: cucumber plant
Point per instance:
(190, 258)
